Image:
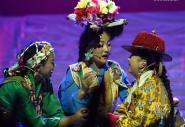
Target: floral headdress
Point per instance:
(32, 62)
(96, 13)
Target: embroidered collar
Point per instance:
(137, 84)
(35, 93)
(144, 77)
(101, 70)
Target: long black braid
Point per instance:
(97, 115)
(170, 121)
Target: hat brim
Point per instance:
(118, 22)
(164, 56)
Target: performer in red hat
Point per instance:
(150, 101)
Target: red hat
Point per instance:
(151, 42)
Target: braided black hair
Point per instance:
(170, 121)
(97, 114)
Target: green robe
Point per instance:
(15, 97)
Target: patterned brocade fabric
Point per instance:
(71, 84)
(149, 103)
(114, 70)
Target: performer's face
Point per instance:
(136, 65)
(102, 50)
(46, 69)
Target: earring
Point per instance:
(88, 55)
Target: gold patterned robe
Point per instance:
(146, 104)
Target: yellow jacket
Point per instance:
(146, 103)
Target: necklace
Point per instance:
(36, 101)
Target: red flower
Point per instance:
(95, 1)
(21, 61)
(79, 13)
(92, 10)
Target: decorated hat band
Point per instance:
(32, 62)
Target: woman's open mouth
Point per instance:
(105, 56)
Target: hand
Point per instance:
(89, 81)
(78, 117)
(81, 115)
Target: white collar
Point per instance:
(144, 77)
(137, 84)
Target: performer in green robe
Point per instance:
(26, 95)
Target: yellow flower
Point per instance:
(82, 4)
(103, 7)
